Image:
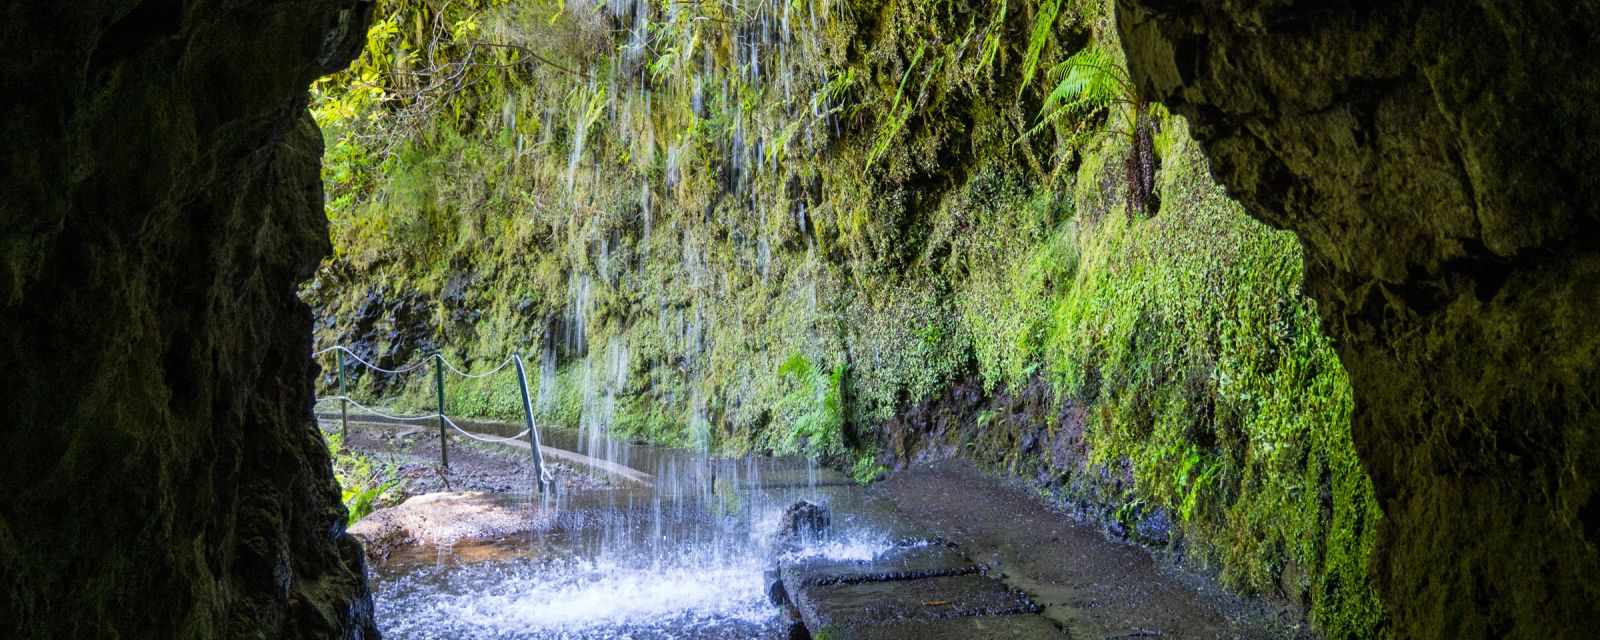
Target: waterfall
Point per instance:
(577, 318)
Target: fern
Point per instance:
(895, 118)
(364, 484)
(817, 408)
(1090, 82)
(797, 365)
(991, 39)
(1043, 22)
(830, 97)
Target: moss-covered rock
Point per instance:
(804, 226)
(163, 476)
(1431, 156)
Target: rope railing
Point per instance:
(366, 410)
(440, 364)
(344, 351)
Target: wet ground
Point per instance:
(474, 466)
(1093, 586)
(682, 555)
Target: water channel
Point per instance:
(681, 556)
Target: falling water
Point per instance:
(644, 213)
(683, 555)
(577, 320)
(680, 558)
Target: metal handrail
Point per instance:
(543, 477)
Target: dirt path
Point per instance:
(474, 466)
(1091, 585)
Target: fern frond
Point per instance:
(1043, 22)
(991, 38)
(1087, 82)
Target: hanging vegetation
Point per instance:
(772, 225)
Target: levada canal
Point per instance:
(679, 555)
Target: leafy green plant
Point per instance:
(814, 408)
(900, 110)
(866, 469)
(1044, 20)
(1089, 83)
(364, 484)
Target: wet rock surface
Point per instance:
(968, 628)
(911, 588)
(802, 522)
(443, 519)
(1031, 433)
(1427, 155)
(916, 586)
(906, 561)
(844, 606)
(162, 203)
(1085, 583)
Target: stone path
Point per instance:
(924, 590)
(991, 560)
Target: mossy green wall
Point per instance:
(855, 198)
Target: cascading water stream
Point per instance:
(682, 558)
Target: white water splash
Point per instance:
(847, 550)
(585, 600)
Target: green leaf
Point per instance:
(1043, 22)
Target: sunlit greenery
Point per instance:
(364, 483)
(778, 226)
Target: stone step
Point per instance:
(903, 562)
(920, 591)
(1012, 627)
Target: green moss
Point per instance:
(781, 261)
(1208, 373)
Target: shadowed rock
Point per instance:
(802, 522)
(1437, 160)
(162, 202)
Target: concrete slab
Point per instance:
(847, 607)
(906, 562)
(1012, 627)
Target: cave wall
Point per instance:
(1434, 159)
(162, 475)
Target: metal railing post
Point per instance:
(527, 412)
(438, 385)
(344, 402)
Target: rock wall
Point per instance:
(1434, 158)
(163, 478)
(1029, 433)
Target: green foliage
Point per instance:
(364, 483)
(993, 36)
(866, 469)
(1043, 23)
(1207, 372)
(863, 197)
(813, 410)
(901, 107)
(1088, 83)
